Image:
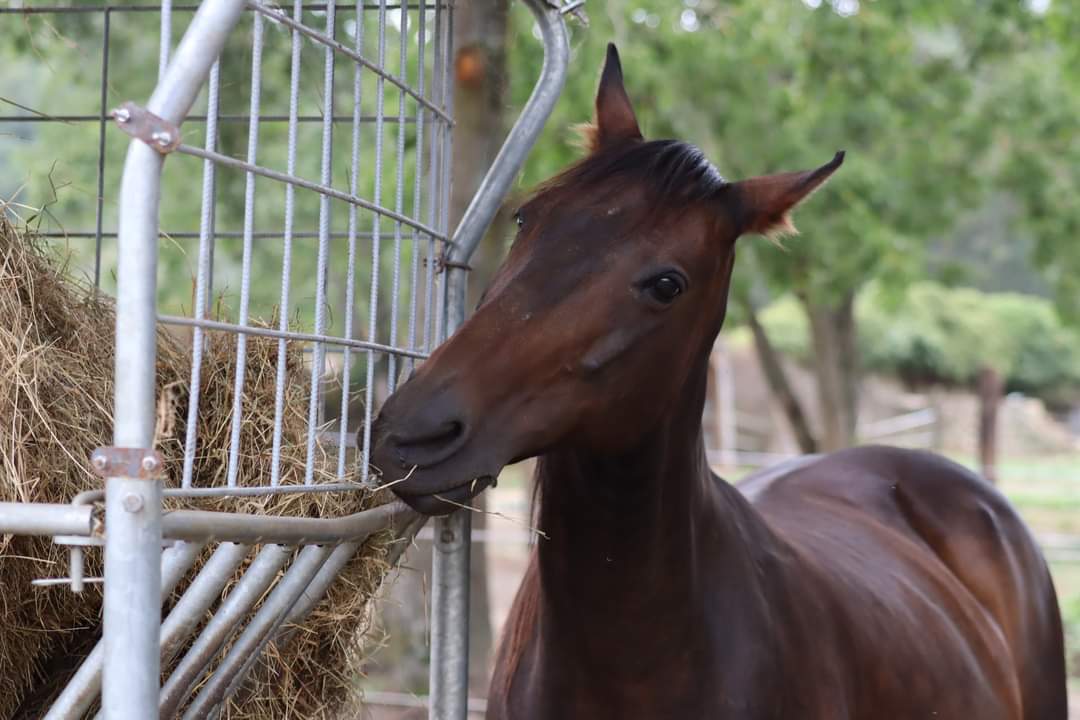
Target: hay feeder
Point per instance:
(197, 480)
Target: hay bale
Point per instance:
(56, 360)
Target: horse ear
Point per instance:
(615, 119)
(765, 202)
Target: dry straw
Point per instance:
(56, 364)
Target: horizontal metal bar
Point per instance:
(45, 117)
(232, 162)
(66, 10)
(93, 496)
(254, 529)
(288, 335)
(45, 519)
(408, 700)
(47, 582)
(262, 490)
(279, 15)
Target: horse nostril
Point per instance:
(446, 432)
(429, 446)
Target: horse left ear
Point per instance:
(765, 202)
(615, 119)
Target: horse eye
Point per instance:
(665, 288)
(519, 219)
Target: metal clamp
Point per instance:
(138, 122)
(141, 463)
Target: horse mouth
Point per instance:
(444, 502)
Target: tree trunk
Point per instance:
(778, 382)
(480, 80)
(832, 331)
(991, 388)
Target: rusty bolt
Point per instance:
(149, 463)
(132, 503)
(121, 115)
(161, 137)
(99, 461)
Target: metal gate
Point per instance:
(295, 559)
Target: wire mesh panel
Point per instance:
(302, 218)
(305, 203)
(360, 228)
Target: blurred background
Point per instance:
(931, 300)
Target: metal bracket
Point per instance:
(141, 463)
(140, 123)
(442, 264)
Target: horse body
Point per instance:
(872, 583)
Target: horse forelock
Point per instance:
(671, 171)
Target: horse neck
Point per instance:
(627, 535)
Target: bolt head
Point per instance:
(121, 115)
(132, 503)
(99, 461)
(161, 137)
(149, 463)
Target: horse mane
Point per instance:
(675, 172)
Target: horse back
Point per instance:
(913, 548)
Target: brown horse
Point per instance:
(874, 583)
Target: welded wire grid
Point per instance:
(322, 200)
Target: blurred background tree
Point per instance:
(951, 113)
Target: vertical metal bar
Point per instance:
(249, 228)
(418, 172)
(350, 285)
(399, 195)
(286, 257)
(430, 309)
(450, 586)
(133, 505)
(442, 72)
(203, 279)
(376, 242)
(449, 671)
(318, 360)
(166, 37)
(99, 205)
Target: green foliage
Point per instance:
(934, 334)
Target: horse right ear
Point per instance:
(615, 119)
(765, 202)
